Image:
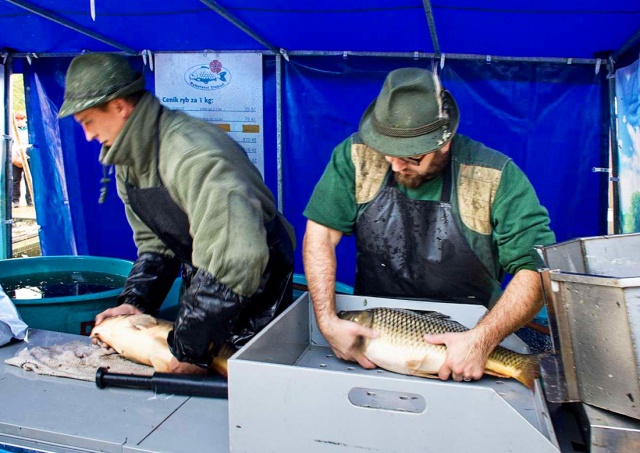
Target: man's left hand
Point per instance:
(466, 355)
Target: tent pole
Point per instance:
(279, 130)
(326, 53)
(432, 27)
(631, 42)
(5, 200)
(613, 147)
(67, 23)
(238, 23)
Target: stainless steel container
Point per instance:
(592, 292)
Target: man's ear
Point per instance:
(122, 107)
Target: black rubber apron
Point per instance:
(156, 209)
(414, 249)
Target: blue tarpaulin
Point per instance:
(531, 81)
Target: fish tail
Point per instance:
(525, 368)
(529, 370)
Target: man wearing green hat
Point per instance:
(435, 215)
(193, 198)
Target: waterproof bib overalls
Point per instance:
(210, 313)
(414, 249)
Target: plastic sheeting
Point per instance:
(546, 117)
(628, 98)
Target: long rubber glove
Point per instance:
(149, 282)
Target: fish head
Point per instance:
(362, 317)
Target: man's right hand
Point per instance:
(345, 339)
(124, 309)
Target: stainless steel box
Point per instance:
(592, 293)
(287, 392)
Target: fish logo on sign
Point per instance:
(208, 77)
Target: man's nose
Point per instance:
(88, 134)
(398, 164)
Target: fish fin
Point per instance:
(498, 375)
(528, 370)
(219, 363)
(425, 374)
(160, 362)
(431, 313)
(144, 322)
(414, 367)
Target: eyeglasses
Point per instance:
(416, 161)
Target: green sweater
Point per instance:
(496, 207)
(211, 178)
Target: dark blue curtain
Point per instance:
(547, 117)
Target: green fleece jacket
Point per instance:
(210, 177)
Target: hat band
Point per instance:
(407, 132)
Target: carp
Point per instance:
(400, 346)
(143, 339)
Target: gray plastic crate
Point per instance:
(287, 392)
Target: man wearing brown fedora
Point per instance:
(435, 215)
(193, 200)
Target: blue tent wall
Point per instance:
(545, 116)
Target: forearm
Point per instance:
(318, 252)
(520, 302)
(149, 282)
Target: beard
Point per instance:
(411, 181)
(414, 180)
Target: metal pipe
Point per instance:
(238, 23)
(613, 147)
(279, 131)
(5, 200)
(322, 53)
(631, 42)
(67, 23)
(432, 26)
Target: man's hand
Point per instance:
(466, 355)
(345, 337)
(124, 309)
(176, 367)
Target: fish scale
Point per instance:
(400, 345)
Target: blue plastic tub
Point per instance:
(70, 314)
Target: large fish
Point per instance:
(400, 346)
(143, 339)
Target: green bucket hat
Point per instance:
(411, 116)
(96, 78)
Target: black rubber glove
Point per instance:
(208, 312)
(149, 282)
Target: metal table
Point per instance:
(64, 415)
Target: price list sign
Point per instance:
(224, 89)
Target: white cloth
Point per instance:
(75, 360)
(11, 325)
